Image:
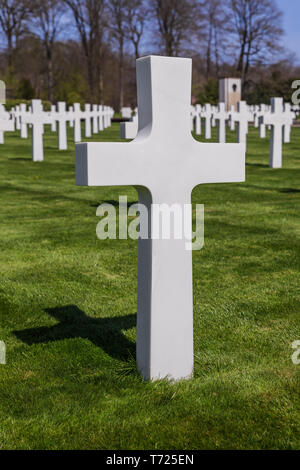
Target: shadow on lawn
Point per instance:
(259, 165)
(112, 203)
(106, 333)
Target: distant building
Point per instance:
(230, 92)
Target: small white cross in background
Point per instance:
(206, 113)
(242, 117)
(24, 127)
(87, 115)
(37, 117)
(287, 128)
(221, 116)
(62, 116)
(101, 118)
(77, 115)
(277, 119)
(6, 123)
(196, 113)
(95, 114)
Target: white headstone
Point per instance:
(221, 117)
(24, 127)
(276, 119)
(77, 115)
(53, 111)
(6, 123)
(37, 118)
(287, 128)
(87, 119)
(71, 111)
(95, 119)
(128, 130)
(196, 116)
(207, 115)
(101, 118)
(242, 117)
(62, 116)
(165, 163)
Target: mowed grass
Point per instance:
(68, 313)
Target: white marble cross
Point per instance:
(24, 127)
(101, 118)
(214, 109)
(17, 114)
(95, 114)
(37, 118)
(62, 116)
(262, 127)
(276, 119)
(77, 115)
(6, 124)
(287, 128)
(164, 163)
(71, 111)
(87, 115)
(53, 111)
(230, 120)
(221, 117)
(196, 116)
(242, 117)
(206, 113)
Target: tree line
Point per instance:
(85, 50)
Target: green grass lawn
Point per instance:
(68, 313)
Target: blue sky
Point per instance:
(291, 24)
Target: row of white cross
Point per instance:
(96, 119)
(279, 117)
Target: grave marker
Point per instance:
(165, 163)
(277, 119)
(37, 118)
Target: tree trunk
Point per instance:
(90, 66)
(121, 73)
(208, 52)
(10, 55)
(50, 76)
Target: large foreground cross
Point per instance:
(164, 163)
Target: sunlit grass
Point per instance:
(68, 313)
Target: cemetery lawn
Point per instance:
(68, 313)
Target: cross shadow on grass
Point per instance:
(259, 165)
(112, 203)
(289, 190)
(21, 159)
(106, 333)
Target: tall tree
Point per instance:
(46, 19)
(89, 16)
(216, 17)
(257, 26)
(176, 21)
(117, 11)
(136, 12)
(13, 17)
